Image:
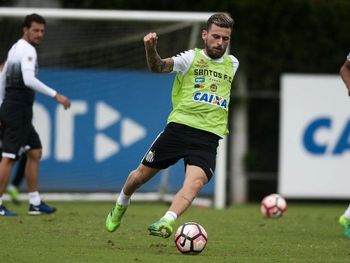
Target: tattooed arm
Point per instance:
(154, 61)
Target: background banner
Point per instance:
(314, 137)
(114, 118)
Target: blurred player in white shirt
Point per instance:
(18, 84)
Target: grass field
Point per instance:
(307, 233)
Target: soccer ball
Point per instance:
(273, 205)
(191, 238)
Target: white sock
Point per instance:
(1, 200)
(34, 198)
(170, 215)
(123, 199)
(347, 213)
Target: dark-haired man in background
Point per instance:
(18, 83)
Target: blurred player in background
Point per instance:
(12, 188)
(18, 83)
(344, 220)
(200, 97)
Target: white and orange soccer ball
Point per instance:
(191, 238)
(273, 206)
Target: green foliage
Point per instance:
(307, 233)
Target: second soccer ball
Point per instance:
(273, 205)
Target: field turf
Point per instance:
(307, 233)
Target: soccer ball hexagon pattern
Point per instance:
(273, 205)
(191, 238)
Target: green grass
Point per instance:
(307, 233)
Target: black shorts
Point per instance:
(18, 132)
(177, 141)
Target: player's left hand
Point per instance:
(61, 99)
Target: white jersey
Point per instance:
(19, 74)
(183, 61)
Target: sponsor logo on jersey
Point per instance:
(199, 86)
(209, 98)
(201, 64)
(199, 79)
(211, 73)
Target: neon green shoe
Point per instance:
(13, 193)
(162, 228)
(346, 224)
(114, 218)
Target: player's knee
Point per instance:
(35, 154)
(8, 161)
(197, 184)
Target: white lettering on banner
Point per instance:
(131, 132)
(105, 115)
(105, 147)
(65, 129)
(42, 123)
(64, 139)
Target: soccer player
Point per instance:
(344, 220)
(200, 97)
(18, 83)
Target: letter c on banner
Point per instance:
(309, 136)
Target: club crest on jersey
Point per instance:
(213, 87)
(209, 98)
(150, 156)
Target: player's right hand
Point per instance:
(150, 40)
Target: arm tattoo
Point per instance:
(162, 65)
(156, 64)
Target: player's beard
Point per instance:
(214, 53)
(35, 42)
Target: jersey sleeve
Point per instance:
(235, 64)
(28, 64)
(32, 82)
(28, 61)
(183, 61)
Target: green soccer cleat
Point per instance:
(162, 228)
(14, 194)
(345, 222)
(114, 218)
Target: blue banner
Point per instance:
(114, 118)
